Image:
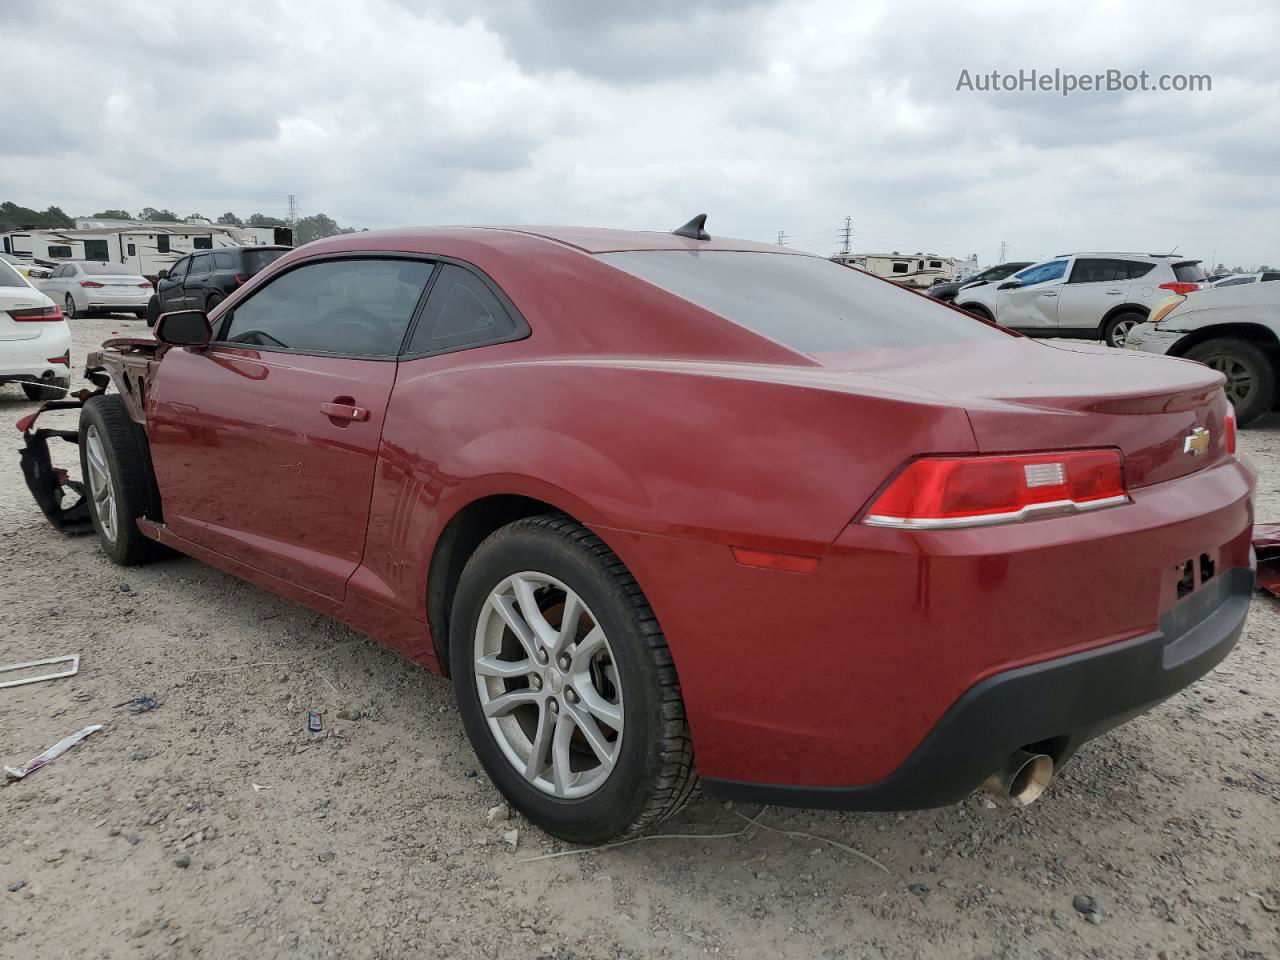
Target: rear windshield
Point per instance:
(806, 303)
(10, 277)
(1188, 272)
(255, 260)
(108, 270)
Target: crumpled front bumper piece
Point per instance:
(61, 499)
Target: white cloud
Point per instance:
(767, 115)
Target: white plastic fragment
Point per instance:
(73, 667)
(512, 838)
(57, 750)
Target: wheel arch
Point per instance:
(974, 308)
(1116, 311)
(1256, 333)
(469, 525)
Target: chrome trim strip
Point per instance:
(1056, 507)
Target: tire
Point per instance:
(1251, 377)
(213, 301)
(116, 465)
(69, 308)
(153, 310)
(1117, 328)
(652, 774)
(54, 389)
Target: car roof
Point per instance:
(591, 240)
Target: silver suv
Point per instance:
(1094, 296)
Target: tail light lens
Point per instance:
(146, 284)
(1180, 288)
(37, 315)
(942, 492)
(1229, 429)
(65, 359)
(241, 278)
(90, 283)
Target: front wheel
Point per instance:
(565, 684)
(116, 466)
(1251, 379)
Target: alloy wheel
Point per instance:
(1240, 380)
(548, 685)
(100, 488)
(71, 308)
(1120, 331)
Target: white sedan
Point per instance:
(81, 287)
(35, 340)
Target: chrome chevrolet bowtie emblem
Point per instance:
(1196, 442)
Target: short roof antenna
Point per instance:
(694, 229)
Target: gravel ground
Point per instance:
(216, 826)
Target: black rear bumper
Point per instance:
(1055, 706)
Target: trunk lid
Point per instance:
(1026, 395)
(19, 298)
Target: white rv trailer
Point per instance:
(916, 270)
(146, 247)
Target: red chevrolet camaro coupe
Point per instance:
(669, 508)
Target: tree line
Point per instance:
(16, 217)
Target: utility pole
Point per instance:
(293, 213)
(1004, 251)
(782, 238)
(847, 234)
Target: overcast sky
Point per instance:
(766, 115)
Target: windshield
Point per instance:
(108, 270)
(10, 277)
(806, 303)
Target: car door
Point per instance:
(1093, 287)
(196, 285)
(169, 288)
(55, 286)
(1032, 302)
(264, 442)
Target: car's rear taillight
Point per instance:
(145, 283)
(1229, 429)
(942, 492)
(1180, 287)
(51, 314)
(65, 359)
(90, 283)
(241, 278)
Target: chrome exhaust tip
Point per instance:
(1022, 779)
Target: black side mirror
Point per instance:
(162, 275)
(184, 328)
(1010, 285)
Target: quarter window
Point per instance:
(224, 261)
(354, 308)
(461, 312)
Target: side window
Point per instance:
(200, 264)
(179, 269)
(1096, 270)
(60, 252)
(133, 250)
(202, 243)
(461, 312)
(1136, 269)
(1268, 277)
(224, 261)
(162, 243)
(354, 308)
(1043, 273)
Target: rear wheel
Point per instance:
(53, 389)
(1251, 379)
(116, 466)
(69, 309)
(565, 684)
(213, 301)
(1118, 328)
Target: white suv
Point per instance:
(1093, 296)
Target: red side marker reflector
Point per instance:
(1229, 421)
(767, 560)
